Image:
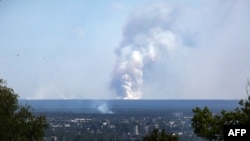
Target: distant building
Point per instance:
(136, 130)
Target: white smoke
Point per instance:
(103, 108)
(145, 41)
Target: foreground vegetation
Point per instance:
(209, 126)
(16, 121)
(156, 135)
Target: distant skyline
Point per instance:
(114, 49)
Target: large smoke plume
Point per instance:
(146, 38)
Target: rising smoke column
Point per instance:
(104, 109)
(146, 39)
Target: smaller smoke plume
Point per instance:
(103, 108)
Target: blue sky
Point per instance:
(125, 49)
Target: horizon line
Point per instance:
(114, 99)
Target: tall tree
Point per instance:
(210, 126)
(17, 123)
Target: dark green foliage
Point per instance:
(210, 126)
(17, 122)
(206, 125)
(155, 135)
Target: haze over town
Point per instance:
(125, 49)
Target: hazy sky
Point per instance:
(86, 49)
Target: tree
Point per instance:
(210, 126)
(155, 135)
(16, 121)
(206, 125)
